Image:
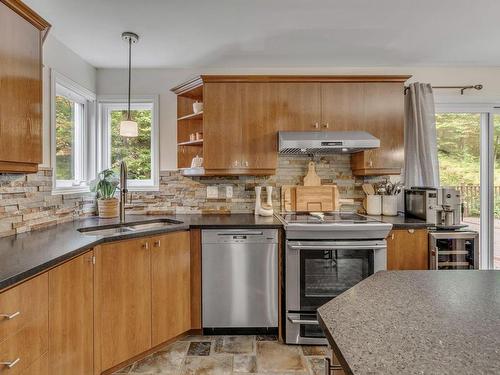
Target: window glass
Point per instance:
(136, 152)
(69, 138)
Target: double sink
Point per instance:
(125, 228)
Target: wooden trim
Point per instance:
(186, 86)
(304, 78)
(14, 167)
(376, 172)
(195, 244)
(30, 15)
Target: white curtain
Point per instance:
(421, 159)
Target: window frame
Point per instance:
(119, 102)
(85, 164)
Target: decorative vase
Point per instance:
(107, 208)
(197, 107)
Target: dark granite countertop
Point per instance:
(417, 322)
(28, 254)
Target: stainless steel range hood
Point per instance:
(298, 143)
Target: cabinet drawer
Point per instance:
(25, 347)
(23, 304)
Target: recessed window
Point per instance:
(141, 152)
(70, 127)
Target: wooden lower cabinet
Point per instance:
(171, 285)
(71, 317)
(408, 249)
(41, 367)
(122, 311)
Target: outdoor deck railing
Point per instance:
(470, 198)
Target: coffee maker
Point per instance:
(441, 207)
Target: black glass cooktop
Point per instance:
(327, 218)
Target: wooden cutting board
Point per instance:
(310, 198)
(312, 178)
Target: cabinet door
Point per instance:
(71, 308)
(298, 106)
(222, 135)
(342, 106)
(384, 118)
(407, 249)
(258, 125)
(171, 284)
(122, 313)
(20, 93)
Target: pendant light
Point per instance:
(129, 128)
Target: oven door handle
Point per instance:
(340, 247)
(303, 321)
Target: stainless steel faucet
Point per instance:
(123, 189)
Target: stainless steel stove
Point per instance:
(334, 225)
(326, 254)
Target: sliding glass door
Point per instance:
(469, 160)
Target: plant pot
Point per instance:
(108, 208)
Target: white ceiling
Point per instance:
(284, 33)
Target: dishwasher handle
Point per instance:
(240, 233)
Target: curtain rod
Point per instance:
(461, 88)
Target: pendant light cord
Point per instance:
(129, 73)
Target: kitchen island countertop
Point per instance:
(417, 322)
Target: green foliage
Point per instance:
(64, 138)
(105, 184)
(459, 154)
(136, 152)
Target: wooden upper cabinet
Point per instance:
(243, 114)
(342, 106)
(239, 128)
(221, 126)
(122, 311)
(298, 106)
(383, 113)
(408, 249)
(21, 35)
(171, 286)
(71, 317)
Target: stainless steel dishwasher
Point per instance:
(240, 278)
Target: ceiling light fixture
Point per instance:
(128, 127)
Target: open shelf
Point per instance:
(192, 116)
(198, 142)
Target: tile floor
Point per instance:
(231, 355)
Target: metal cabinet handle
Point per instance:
(10, 316)
(145, 246)
(411, 231)
(326, 126)
(11, 364)
(304, 321)
(246, 163)
(316, 125)
(329, 367)
(157, 243)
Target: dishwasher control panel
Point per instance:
(240, 236)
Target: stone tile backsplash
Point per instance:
(26, 201)
(179, 194)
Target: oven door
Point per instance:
(316, 272)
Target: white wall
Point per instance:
(59, 57)
(159, 82)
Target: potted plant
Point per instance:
(105, 186)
